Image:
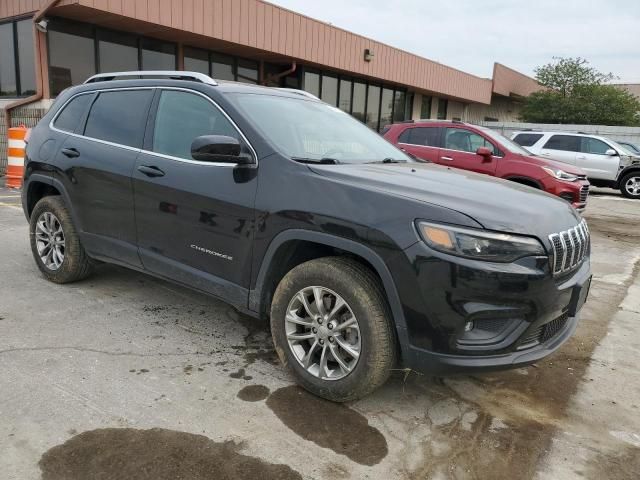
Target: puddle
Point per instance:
(157, 454)
(329, 425)
(253, 393)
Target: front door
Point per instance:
(595, 161)
(459, 151)
(194, 218)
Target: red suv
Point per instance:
(479, 149)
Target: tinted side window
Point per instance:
(119, 117)
(69, 119)
(568, 143)
(181, 117)
(593, 145)
(466, 141)
(527, 139)
(425, 136)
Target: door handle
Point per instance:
(151, 171)
(449, 159)
(70, 152)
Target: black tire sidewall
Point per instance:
(363, 302)
(74, 264)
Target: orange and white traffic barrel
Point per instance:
(15, 152)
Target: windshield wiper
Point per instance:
(389, 160)
(321, 161)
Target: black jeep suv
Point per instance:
(364, 259)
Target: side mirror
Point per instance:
(219, 148)
(484, 152)
(611, 152)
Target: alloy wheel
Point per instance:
(323, 333)
(632, 186)
(50, 241)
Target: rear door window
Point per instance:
(119, 117)
(181, 118)
(424, 136)
(567, 143)
(595, 146)
(71, 115)
(527, 139)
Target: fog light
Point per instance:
(468, 326)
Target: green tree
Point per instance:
(579, 94)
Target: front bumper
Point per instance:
(533, 311)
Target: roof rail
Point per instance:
(172, 74)
(299, 92)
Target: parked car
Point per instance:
(631, 147)
(290, 209)
(482, 150)
(606, 162)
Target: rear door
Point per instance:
(459, 151)
(194, 218)
(563, 148)
(593, 159)
(95, 165)
(423, 142)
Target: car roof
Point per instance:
(548, 132)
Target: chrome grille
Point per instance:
(584, 193)
(569, 247)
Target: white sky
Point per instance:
(472, 34)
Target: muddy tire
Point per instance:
(55, 244)
(332, 327)
(630, 185)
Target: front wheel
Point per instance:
(630, 185)
(331, 325)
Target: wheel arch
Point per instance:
(282, 255)
(41, 186)
(625, 172)
(530, 182)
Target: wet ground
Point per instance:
(126, 376)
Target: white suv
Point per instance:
(607, 163)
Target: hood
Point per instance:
(546, 162)
(494, 203)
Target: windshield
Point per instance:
(507, 143)
(623, 149)
(309, 130)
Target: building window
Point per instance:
(359, 100)
(373, 107)
(345, 95)
(400, 106)
(247, 71)
(386, 108)
(443, 105)
(71, 55)
(17, 59)
(222, 67)
(117, 52)
(312, 83)
(425, 108)
(196, 60)
(329, 90)
(157, 55)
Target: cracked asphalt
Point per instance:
(126, 376)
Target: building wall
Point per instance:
(503, 109)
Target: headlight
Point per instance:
(561, 174)
(479, 244)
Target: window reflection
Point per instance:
(196, 60)
(222, 67)
(312, 83)
(8, 85)
(386, 107)
(26, 57)
(373, 107)
(71, 56)
(329, 90)
(157, 55)
(117, 52)
(345, 95)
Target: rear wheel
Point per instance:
(55, 244)
(331, 325)
(630, 185)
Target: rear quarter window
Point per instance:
(72, 113)
(425, 136)
(527, 139)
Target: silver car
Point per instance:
(606, 162)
